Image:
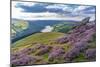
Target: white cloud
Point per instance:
(67, 9)
(57, 6)
(80, 8)
(18, 13)
(26, 3)
(92, 16)
(77, 18)
(78, 11)
(47, 29)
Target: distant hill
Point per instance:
(17, 26)
(21, 29)
(62, 27)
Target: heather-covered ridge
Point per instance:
(76, 45)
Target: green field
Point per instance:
(42, 38)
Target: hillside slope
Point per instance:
(79, 44)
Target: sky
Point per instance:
(51, 11)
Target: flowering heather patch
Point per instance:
(44, 50)
(56, 52)
(81, 45)
(90, 53)
(80, 33)
(25, 60)
(72, 53)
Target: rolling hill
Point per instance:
(76, 45)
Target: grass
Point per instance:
(63, 27)
(80, 58)
(42, 38)
(92, 43)
(45, 56)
